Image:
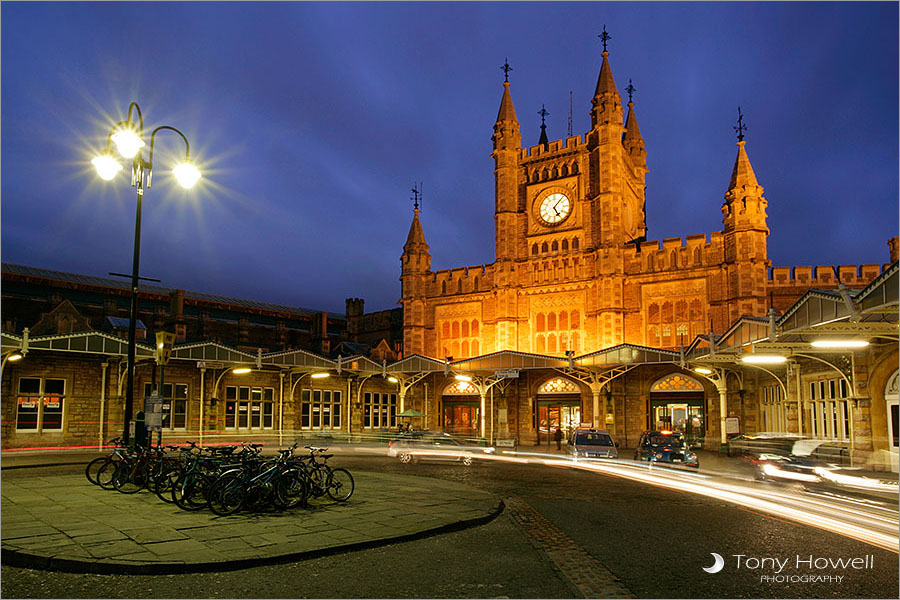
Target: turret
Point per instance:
(507, 144)
(414, 275)
(744, 237)
(631, 139)
(615, 182)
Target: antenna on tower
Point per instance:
(570, 113)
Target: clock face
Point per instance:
(555, 208)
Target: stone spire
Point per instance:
(742, 175)
(543, 141)
(631, 139)
(606, 103)
(507, 111)
(415, 241)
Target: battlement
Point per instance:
(459, 280)
(675, 253)
(824, 276)
(554, 147)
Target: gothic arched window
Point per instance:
(697, 256)
(573, 320)
(565, 245)
(563, 320)
(455, 330)
(544, 247)
(540, 322)
(534, 249)
(565, 170)
(575, 244)
(443, 287)
(474, 327)
(554, 247)
(445, 330)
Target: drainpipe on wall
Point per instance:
(280, 406)
(202, 400)
(103, 367)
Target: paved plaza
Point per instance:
(64, 522)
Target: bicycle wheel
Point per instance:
(340, 484)
(106, 473)
(227, 495)
(188, 492)
(163, 485)
(93, 467)
(290, 489)
(130, 478)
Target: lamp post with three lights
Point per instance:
(128, 137)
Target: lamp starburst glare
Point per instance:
(127, 141)
(186, 174)
(107, 166)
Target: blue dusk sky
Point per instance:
(312, 121)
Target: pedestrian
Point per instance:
(558, 437)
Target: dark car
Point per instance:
(414, 446)
(665, 447)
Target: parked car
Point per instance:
(591, 443)
(433, 446)
(665, 447)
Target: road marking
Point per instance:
(584, 573)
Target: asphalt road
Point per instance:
(565, 533)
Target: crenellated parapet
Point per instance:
(674, 253)
(461, 280)
(787, 284)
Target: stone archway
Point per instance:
(891, 399)
(677, 403)
(558, 405)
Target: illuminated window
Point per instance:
(379, 410)
(174, 404)
(249, 407)
(40, 404)
(559, 385)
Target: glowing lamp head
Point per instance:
(839, 344)
(106, 166)
(463, 378)
(393, 379)
(13, 357)
(241, 370)
(703, 370)
(763, 359)
(186, 174)
(319, 375)
(128, 142)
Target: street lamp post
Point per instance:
(129, 141)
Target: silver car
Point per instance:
(591, 443)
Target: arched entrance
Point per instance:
(460, 409)
(558, 405)
(891, 395)
(676, 403)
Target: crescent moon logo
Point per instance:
(717, 566)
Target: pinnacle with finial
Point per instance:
(506, 69)
(630, 89)
(543, 112)
(415, 191)
(741, 128)
(604, 37)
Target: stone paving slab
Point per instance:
(64, 522)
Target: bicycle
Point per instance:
(322, 479)
(256, 483)
(94, 466)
